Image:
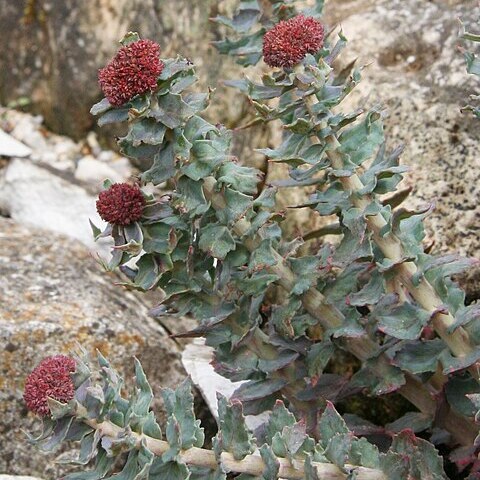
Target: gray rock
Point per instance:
(17, 477)
(27, 130)
(56, 151)
(94, 172)
(52, 296)
(119, 164)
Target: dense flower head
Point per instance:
(134, 70)
(51, 378)
(287, 43)
(121, 204)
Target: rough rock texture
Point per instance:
(53, 295)
(10, 147)
(84, 160)
(56, 48)
(418, 74)
(56, 185)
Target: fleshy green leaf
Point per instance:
(272, 465)
(233, 436)
(404, 321)
(361, 141)
(306, 270)
(330, 424)
(179, 403)
(457, 389)
(419, 356)
(170, 470)
(243, 179)
(425, 462)
(216, 240)
(415, 421)
(263, 256)
(191, 197)
(163, 167)
(171, 110)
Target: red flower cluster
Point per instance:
(51, 378)
(134, 70)
(287, 43)
(121, 204)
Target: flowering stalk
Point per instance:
(463, 430)
(251, 464)
(408, 289)
(420, 289)
(307, 91)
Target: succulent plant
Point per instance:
(276, 316)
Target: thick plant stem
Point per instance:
(251, 464)
(458, 341)
(462, 429)
(391, 246)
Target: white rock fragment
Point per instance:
(27, 131)
(94, 171)
(10, 147)
(122, 166)
(16, 477)
(32, 195)
(196, 360)
(92, 142)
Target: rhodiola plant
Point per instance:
(213, 248)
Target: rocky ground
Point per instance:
(53, 294)
(56, 185)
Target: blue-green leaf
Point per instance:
(233, 435)
(216, 240)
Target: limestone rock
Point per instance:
(10, 147)
(52, 296)
(27, 129)
(16, 477)
(56, 151)
(41, 197)
(94, 172)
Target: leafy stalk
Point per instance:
(108, 424)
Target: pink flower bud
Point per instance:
(134, 70)
(287, 43)
(51, 378)
(121, 204)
